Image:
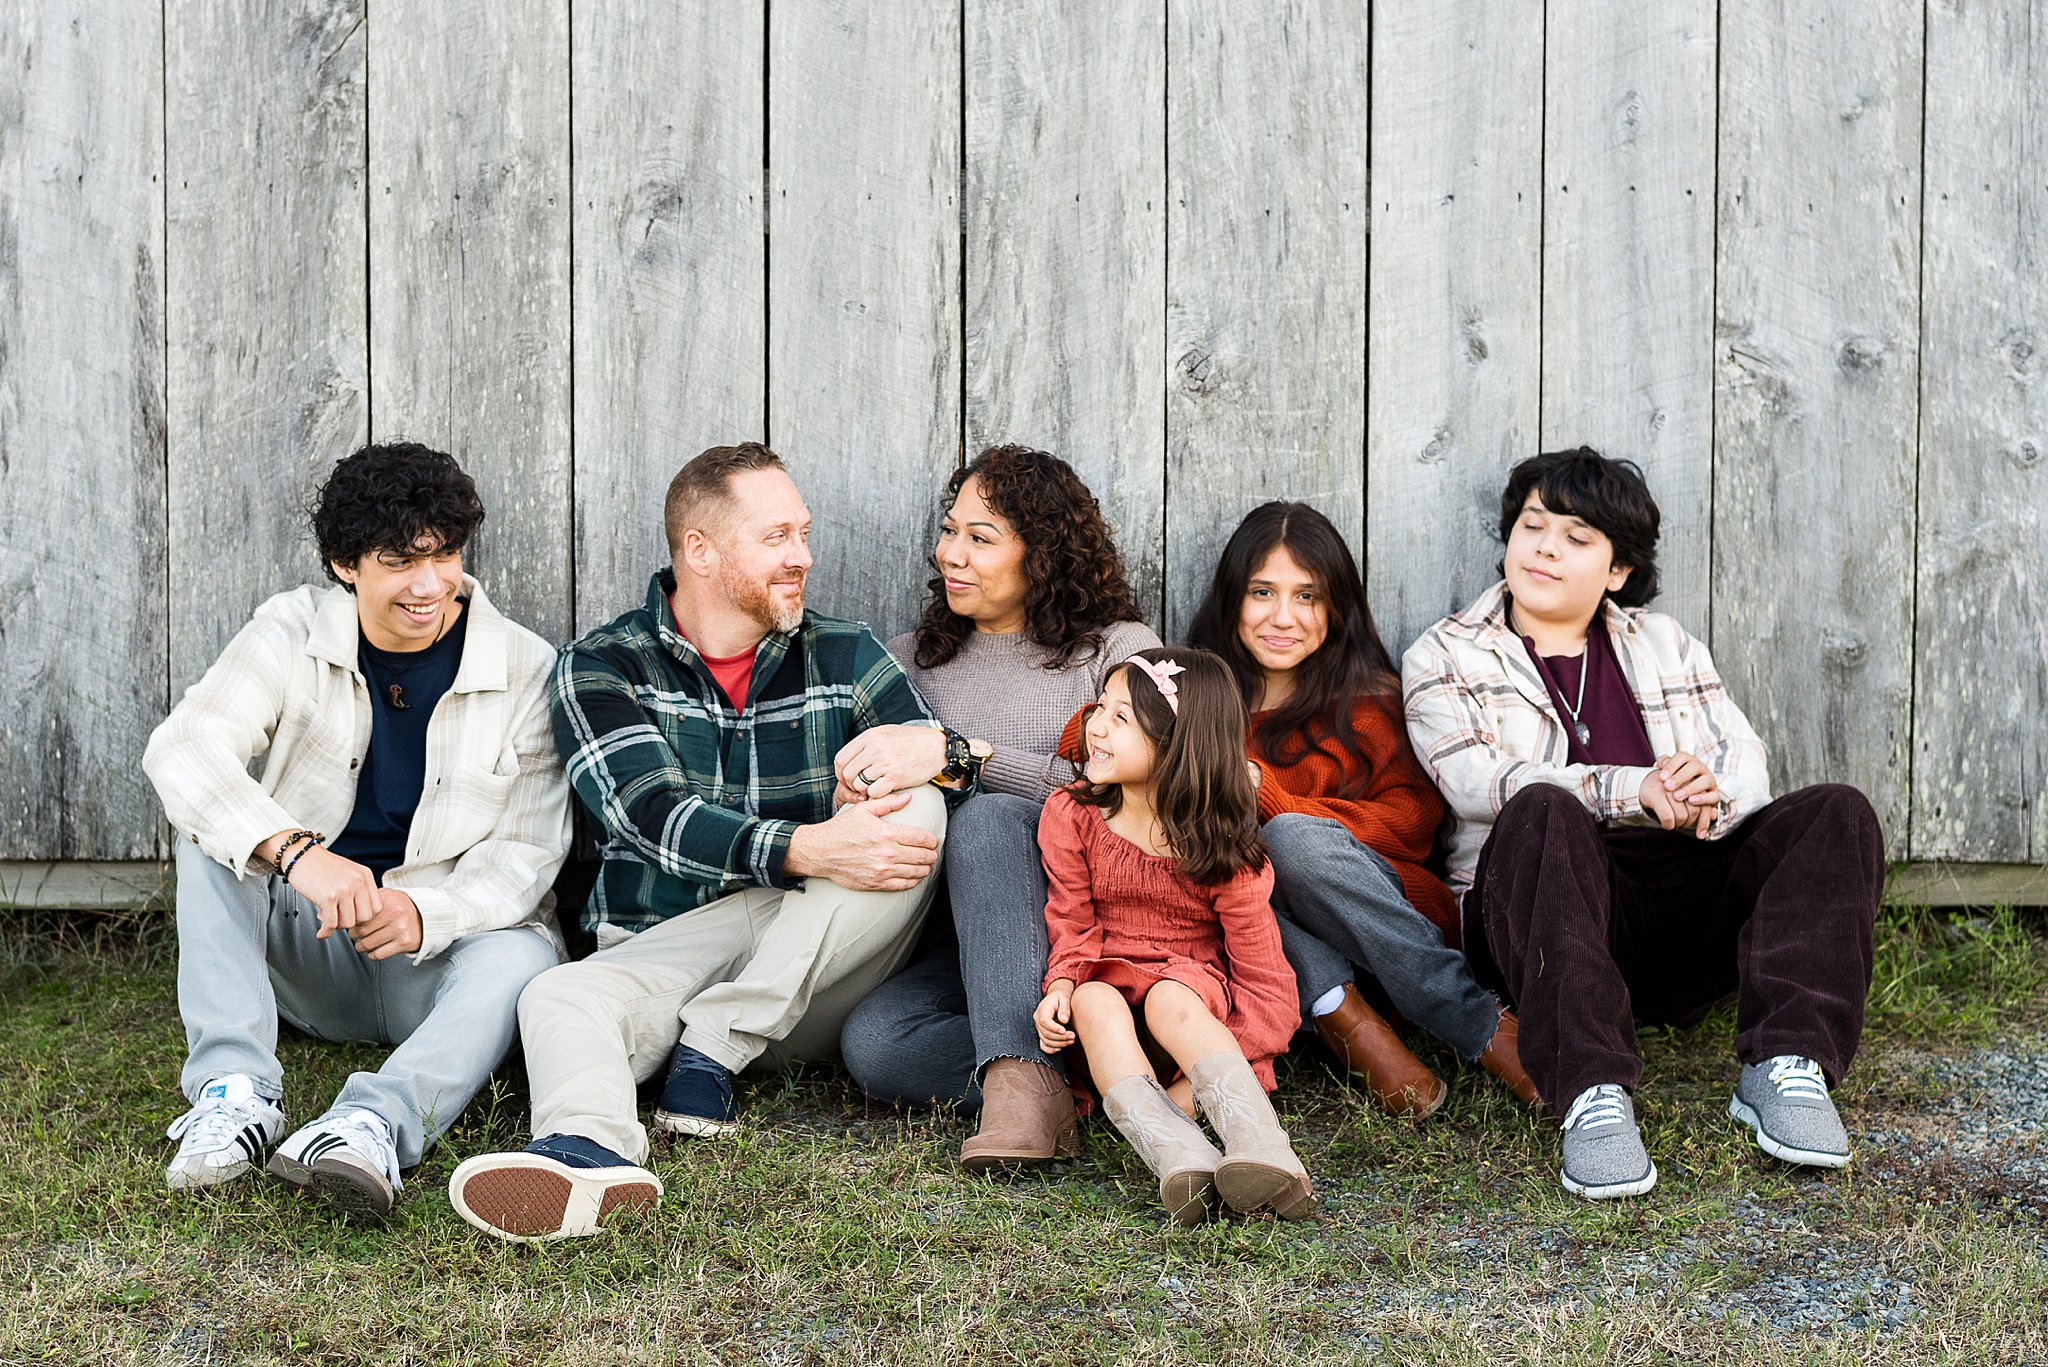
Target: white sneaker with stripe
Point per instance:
(223, 1135)
(346, 1158)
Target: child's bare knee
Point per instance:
(1095, 1002)
(1170, 1003)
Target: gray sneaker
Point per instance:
(1603, 1150)
(1785, 1100)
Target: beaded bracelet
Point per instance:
(286, 848)
(316, 840)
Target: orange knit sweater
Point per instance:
(1397, 814)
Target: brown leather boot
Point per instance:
(1368, 1047)
(1503, 1058)
(1027, 1116)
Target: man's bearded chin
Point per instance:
(757, 600)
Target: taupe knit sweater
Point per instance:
(998, 689)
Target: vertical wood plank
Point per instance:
(864, 287)
(671, 292)
(1066, 252)
(267, 235)
(82, 617)
(1980, 714)
(1816, 357)
(1457, 145)
(1628, 260)
(469, 271)
(1817, 353)
(1266, 228)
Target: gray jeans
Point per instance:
(1342, 909)
(926, 1034)
(246, 956)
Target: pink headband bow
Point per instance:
(1161, 674)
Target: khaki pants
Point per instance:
(761, 972)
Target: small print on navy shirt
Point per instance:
(404, 687)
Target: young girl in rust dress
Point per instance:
(1162, 931)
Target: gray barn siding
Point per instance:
(83, 638)
(599, 238)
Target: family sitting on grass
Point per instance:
(1174, 858)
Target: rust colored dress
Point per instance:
(1118, 915)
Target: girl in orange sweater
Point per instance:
(1347, 812)
(1157, 904)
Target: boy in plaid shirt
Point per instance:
(1614, 838)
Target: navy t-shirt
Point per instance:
(403, 690)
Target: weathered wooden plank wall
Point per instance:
(670, 309)
(1265, 272)
(1066, 252)
(268, 304)
(469, 270)
(864, 285)
(1980, 749)
(83, 638)
(237, 238)
(1628, 258)
(1456, 306)
(1817, 353)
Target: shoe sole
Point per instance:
(199, 1179)
(1809, 1158)
(529, 1198)
(1067, 1145)
(1189, 1197)
(695, 1126)
(1249, 1187)
(360, 1197)
(1608, 1191)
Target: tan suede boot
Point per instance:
(1172, 1145)
(1260, 1170)
(1027, 1116)
(1370, 1050)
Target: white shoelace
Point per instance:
(1598, 1106)
(367, 1134)
(1798, 1079)
(216, 1120)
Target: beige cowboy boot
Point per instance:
(1172, 1146)
(1260, 1170)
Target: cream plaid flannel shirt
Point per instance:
(493, 824)
(1483, 725)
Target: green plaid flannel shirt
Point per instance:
(696, 800)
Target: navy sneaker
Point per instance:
(562, 1186)
(697, 1099)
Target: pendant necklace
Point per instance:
(395, 692)
(1579, 728)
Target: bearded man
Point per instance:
(738, 913)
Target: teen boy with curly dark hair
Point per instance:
(386, 874)
(1620, 855)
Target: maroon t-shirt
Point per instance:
(1608, 711)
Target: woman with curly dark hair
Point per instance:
(1029, 610)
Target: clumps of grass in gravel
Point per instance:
(832, 1230)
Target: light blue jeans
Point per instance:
(246, 956)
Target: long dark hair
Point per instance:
(1202, 793)
(1352, 663)
(1073, 576)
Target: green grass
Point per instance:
(830, 1230)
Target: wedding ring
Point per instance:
(865, 781)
